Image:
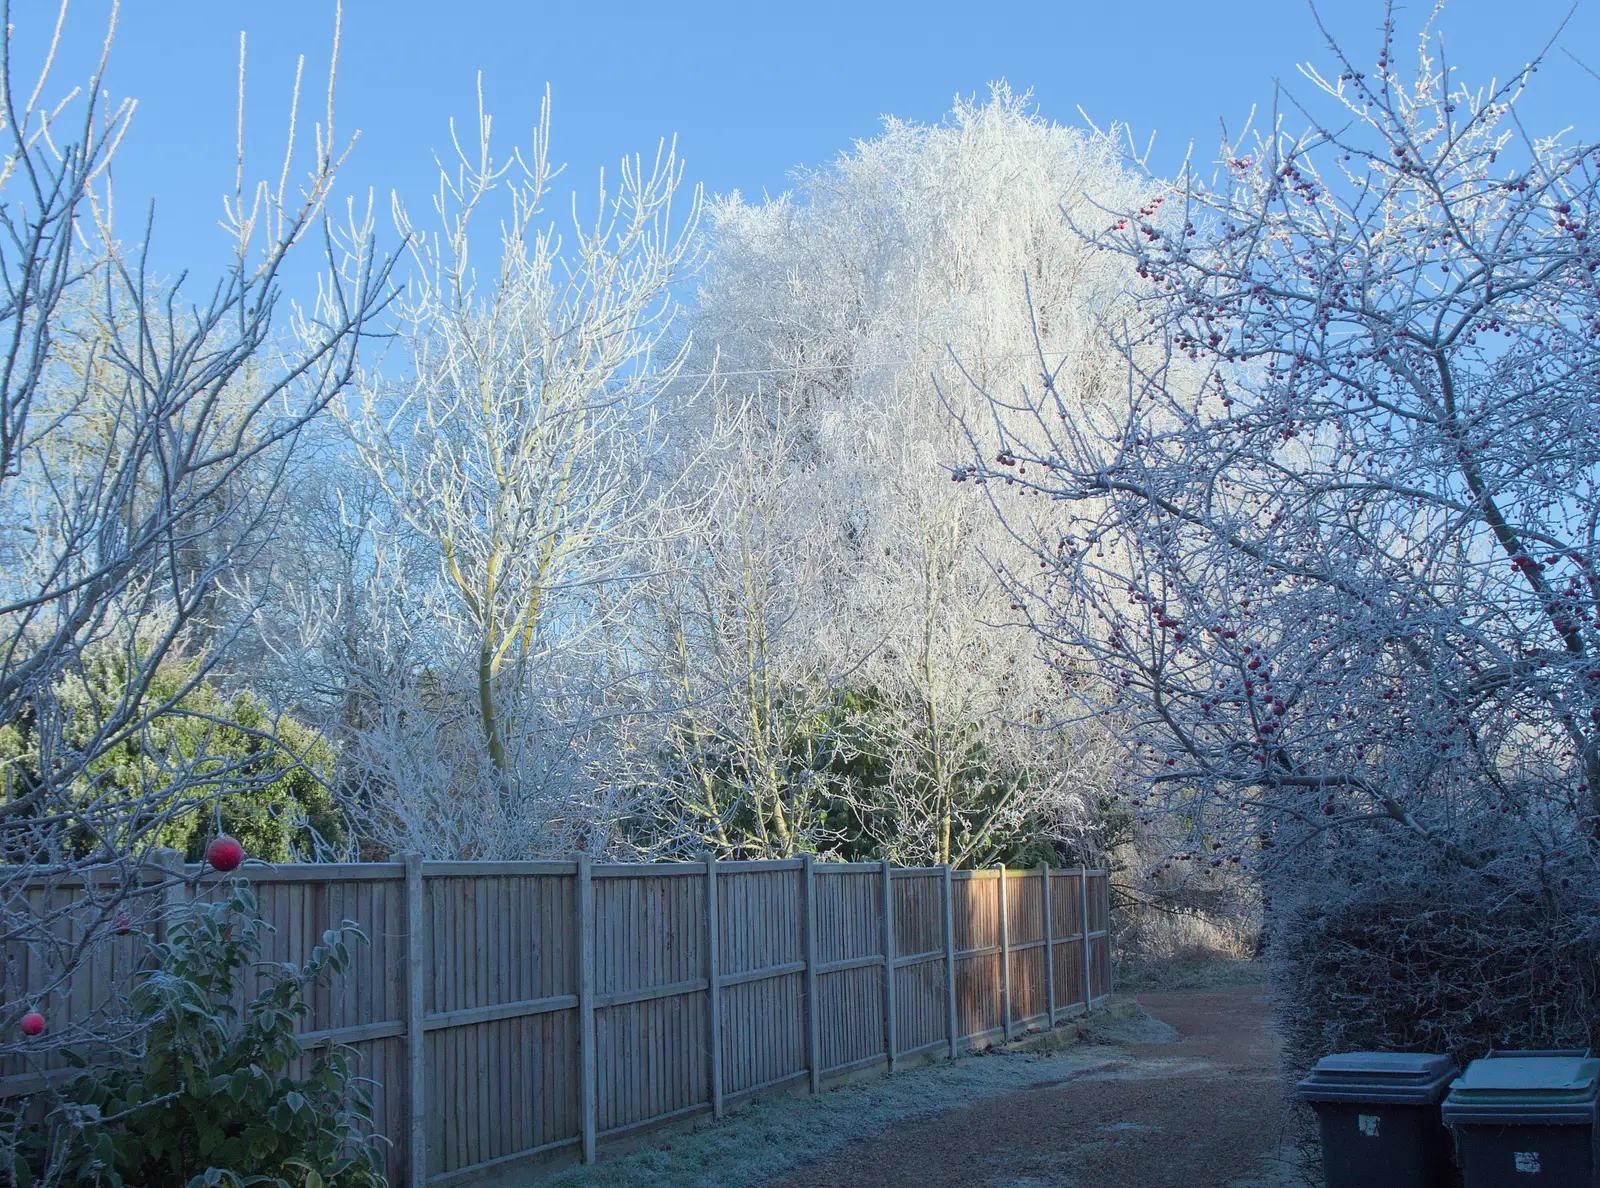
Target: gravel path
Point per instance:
(1185, 1094)
(1201, 1110)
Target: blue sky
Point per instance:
(751, 89)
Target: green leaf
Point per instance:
(222, 1078)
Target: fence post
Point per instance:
(588, 1091)
(174, 891)
(416, 1036)
(813, 1035)
(1049, 951)
(1083, 903)
(713, 998)
(950, 961)
(888, 964)
(1109, 961)
(1005, 959)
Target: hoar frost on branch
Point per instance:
(734, 704)
(1333, 549)
(831, 309)
(510, 444)
(143, 442)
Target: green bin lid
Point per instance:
(1530, 1080)
(1383, 1067)
(1398, 1078)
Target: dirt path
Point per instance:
(1202, 1110)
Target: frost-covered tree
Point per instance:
(732, 704)
(848, 304)
(509, 438)
(144, 436)
(1332, 546)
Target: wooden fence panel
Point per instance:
(761, 968)
(918, 923)
(920, 1008)
(500, 969)
(1025, 937)
(850, 964)
(650, 1017)
(850, 1011)
(504, 977)
(368, 999)
(979, 1009)
(1069, 977)
(1099, 933)
(80, 926)
(1066, 919)
(763, 1034)
(847, 912)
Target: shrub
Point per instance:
(214, 1099)
(202, 764)
(1458, 966)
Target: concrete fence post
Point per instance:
(808, 876)
(416, 1038)
(889, 1021)
(1005, 959)
(1049, 950)
(1083, 903)
(713, 990)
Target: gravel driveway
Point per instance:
(1183, 1095)
(1202, 1109)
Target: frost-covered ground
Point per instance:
(768, 1138)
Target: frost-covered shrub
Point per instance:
(1457, 965)
(1155, 932)
(1172, 923)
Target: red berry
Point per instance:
(225, 854)
(32, 1023)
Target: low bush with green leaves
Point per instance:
(214, 1098)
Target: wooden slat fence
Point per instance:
(503, 1011)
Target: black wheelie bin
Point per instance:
(1378, 1113)
(1524, 1119)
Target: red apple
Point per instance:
(225, 853)
(32, 1023)
(123, 924)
